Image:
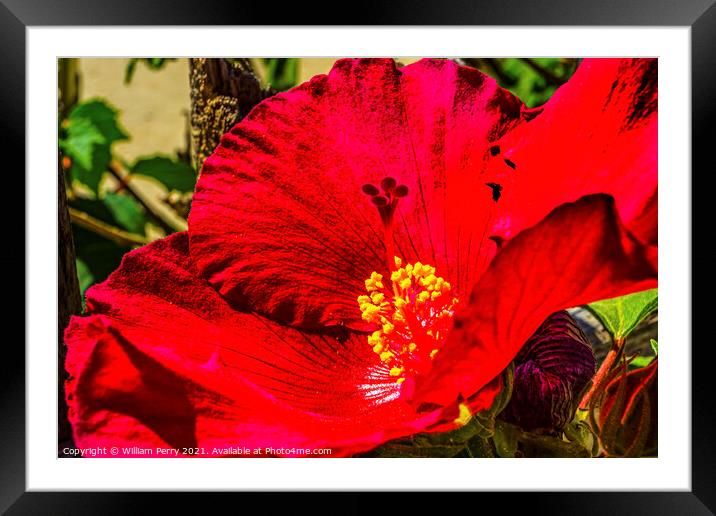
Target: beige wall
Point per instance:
(154, 107)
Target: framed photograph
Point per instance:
(420, 257)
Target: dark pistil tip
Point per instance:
(387, 184)
(369, 189)
(379, 200)
(401, 191)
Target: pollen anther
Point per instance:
(412, 317)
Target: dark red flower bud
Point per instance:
(551, 371)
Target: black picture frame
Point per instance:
(16, 15)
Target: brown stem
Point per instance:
(116, 235)
(68, 82)
(69, 303)
(123, 176)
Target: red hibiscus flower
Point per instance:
(367, 251)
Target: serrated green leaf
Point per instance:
(82, 138)
(127, 212)
(92, 175)
(174, 174)
(89, 132)
(102, 116)
(620, 315)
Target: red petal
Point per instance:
(280, 222)
(597, 134)
(578, 254)
(164, 361)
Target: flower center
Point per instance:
(414, 316)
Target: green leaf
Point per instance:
(92, 175)
(533, 81)
(281, 74)
(82, 137)
(535, 445)
(174, 174)
(643, 361)
(84, 276)
(102, 116)
(620, 315)
(640, 361)
(127, 212)
(99, 255)
(545, 446)
(129, 70)
(480, 447)
(505, 439)
(529, 85)
(93, 207)
(579, 432)
(87, 136)
(153, 63)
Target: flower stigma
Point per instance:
(413, 315)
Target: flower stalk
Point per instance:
(108, 231)
(169, 224)
(601, 378)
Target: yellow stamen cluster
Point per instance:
(413, 317)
